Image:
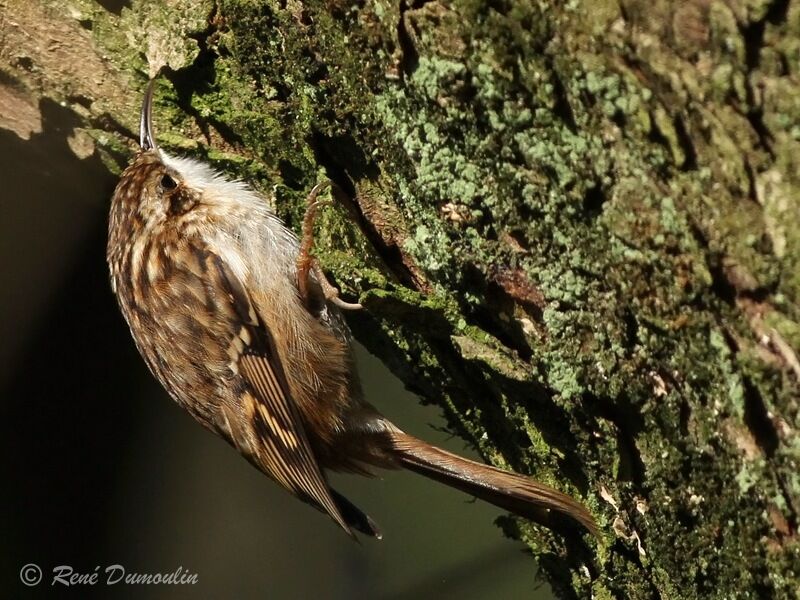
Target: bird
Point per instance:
(233, 315)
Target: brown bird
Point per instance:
(237, 321)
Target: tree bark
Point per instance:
(573, 226)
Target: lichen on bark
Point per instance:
(574, 227)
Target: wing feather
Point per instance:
(275, 438)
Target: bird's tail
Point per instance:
(510, 491)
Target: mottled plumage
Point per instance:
(255, 348)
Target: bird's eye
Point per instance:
(168, 183)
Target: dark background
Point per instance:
(99, 467)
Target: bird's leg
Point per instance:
(305, 260)
(307, 263)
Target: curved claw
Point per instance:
(312, 196)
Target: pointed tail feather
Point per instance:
(510, 491)
(355, 518)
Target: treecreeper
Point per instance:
(235, 318)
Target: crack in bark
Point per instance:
(753, 36)
(628, 423)
(341, 166)
(114, 6)
(409, 56)
(761, 425)
(757, 419)
(562, 107)
(686, 144)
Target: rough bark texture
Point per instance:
(576, 229)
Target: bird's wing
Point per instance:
(268, 428)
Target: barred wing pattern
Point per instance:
(271, 433)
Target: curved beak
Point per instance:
(146, 139)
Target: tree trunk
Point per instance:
(574, 227)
